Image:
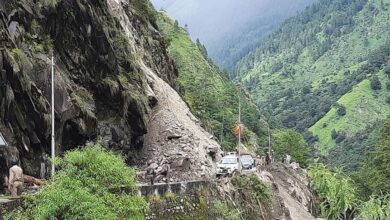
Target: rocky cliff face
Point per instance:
(102, 50)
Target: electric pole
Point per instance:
(52, 118)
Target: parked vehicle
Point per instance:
(231, 153)
(247, 162)
(228, 165)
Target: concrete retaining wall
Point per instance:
(180, 188)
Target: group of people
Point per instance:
(270, 158)
(265, 160)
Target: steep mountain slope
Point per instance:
(314, 59)
(105, 52)
(364, 107)
(351, 154)
(210, 95)
(230, 29)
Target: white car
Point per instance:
(228, 165)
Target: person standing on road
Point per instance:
(267, 158)
(15, 184)
(288, 159)
(272, 156)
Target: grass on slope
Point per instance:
(364, 107)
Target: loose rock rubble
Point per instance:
(176, 146)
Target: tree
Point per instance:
(376, 83)
(387, 70)
(293, 143)
(306, 90)
(341, 111)
(176, 26)
(340, 137)
(334, 134)
(202, 48)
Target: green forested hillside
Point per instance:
(364, 107)
(316, 71)
(351, 154)
(208, 92)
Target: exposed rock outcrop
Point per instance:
(101, 90)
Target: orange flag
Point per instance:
(238, 129)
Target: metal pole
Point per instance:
(52, 118)
(269, 145)
(239, 132)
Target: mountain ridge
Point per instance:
(322, 54)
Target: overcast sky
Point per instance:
(210, 20)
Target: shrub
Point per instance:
(222, 209)
(261, 190)
(253, 183)
(336, 191)
(376, 208)
(17, 56)
(83, 189)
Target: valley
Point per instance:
(171, 109)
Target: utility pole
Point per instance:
(52, 118)
(239, 132)
(223, 118)
(269, 142)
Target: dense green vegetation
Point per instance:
(352, 152)
(340, 197)
(207, 90)
(293, 143)
(336, 51)
(368, 168)
(376, 167)
(376, 208)
(364, 107)
(83, 189)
